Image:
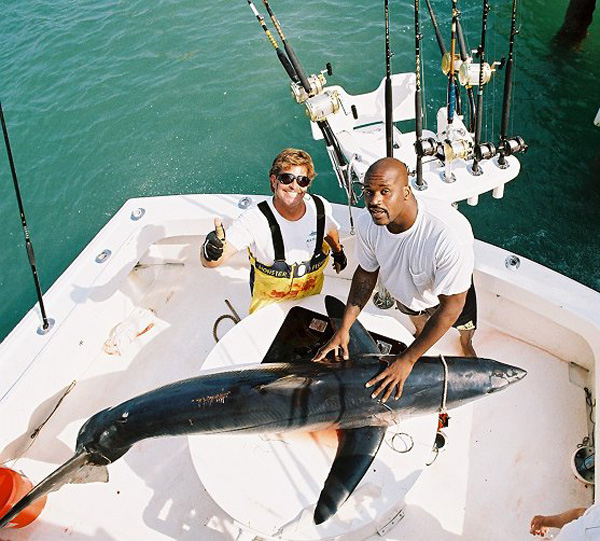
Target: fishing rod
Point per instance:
(508, 146)
(446, 64)
(476, 170)
(46, 323)
(334, 151)
(285, 62)
(465, 58)
(422, 147)
(288, 49)
(389, 126)
(436, 28)
(429, 146)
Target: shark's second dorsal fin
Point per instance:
(361, 342)
(357, 448)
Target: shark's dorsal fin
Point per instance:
(357, 448)
(286, 384)
(361, 342)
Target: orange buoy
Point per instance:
(13, 486)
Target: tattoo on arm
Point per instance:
(363, 284)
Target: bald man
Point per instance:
(424, 256)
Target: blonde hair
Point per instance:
(293, 157)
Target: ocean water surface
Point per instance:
(107, 100)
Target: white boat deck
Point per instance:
(507, 458)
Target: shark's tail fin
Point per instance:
(78, 469)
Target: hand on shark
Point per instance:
(393, 377)
(338, 343)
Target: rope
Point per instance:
(235, 318)
(445, 394)
(442, 417)
(591, 404)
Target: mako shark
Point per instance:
(281, 397)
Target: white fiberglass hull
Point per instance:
(144, 316)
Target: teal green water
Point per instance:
(107, 100)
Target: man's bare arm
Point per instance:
(394, 376)
(333, 239)
(363, 284)
(438, 324)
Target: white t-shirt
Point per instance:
(433, 257)
(251, 230)
(586, 527)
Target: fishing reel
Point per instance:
(512, 145)
(459, 149)
(316, 82)
(467, 70)
(320, 106)
(485, 151)
(468, 73)
(426, 147)
(508, 147)
(448, 64)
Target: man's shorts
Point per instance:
(467, 320)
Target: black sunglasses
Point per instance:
(288, 178)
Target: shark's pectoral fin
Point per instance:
(361, 342)
(356, 451)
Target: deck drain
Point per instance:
(103, 256)
(512, 262)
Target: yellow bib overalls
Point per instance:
(281, 281)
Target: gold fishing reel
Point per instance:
(447, 63)
(459, 149)
(315, 81)
(467, 70)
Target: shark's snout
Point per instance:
(504, 376)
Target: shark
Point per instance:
(279, 397)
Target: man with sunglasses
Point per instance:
(288, 237)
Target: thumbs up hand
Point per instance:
(213, 246)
